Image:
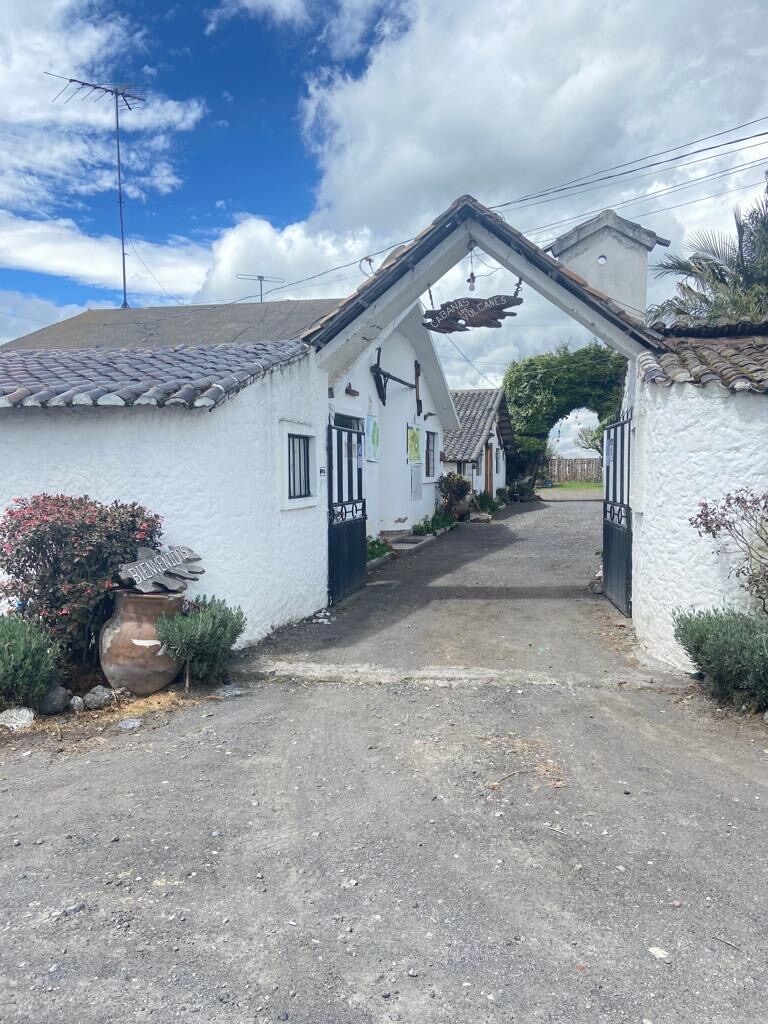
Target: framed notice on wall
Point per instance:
(372, 438)
(414, 445)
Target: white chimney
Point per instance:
(611, 254)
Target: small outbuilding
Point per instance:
(478, 449)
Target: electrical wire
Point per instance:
(176, 299)
(645, 174)
(32, 319)
(650, 213)
(466, 359)
(588, 178)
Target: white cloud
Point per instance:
(494, 97)
(21, 314)
(49, 151)
(342, 25)
(499, 98)
(290, 11)
(57, 246)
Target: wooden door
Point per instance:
(489, 470)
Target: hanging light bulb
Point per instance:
(471, 280)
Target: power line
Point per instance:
(650, 213)
(160, 284)
(587, 178)
(32, 319)
(466, 358)
(644, 174)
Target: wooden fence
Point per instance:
(559, 471)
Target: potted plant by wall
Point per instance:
(60, 556)
(132, 653)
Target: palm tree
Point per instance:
(722, 275)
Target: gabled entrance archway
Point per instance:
(394, 291)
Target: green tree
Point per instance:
(543, 389)
(722, 275)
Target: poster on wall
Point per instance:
(372, 438)
(414, 445)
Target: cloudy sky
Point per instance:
(288, 137)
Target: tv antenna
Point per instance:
(122, 100)
(261, 279)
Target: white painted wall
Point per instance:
(615, 265)
(691, 443)
(219, 479)
(388, 482)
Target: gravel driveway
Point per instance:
(502, 846)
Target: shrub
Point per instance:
(203, 637)
(441, 519)
(486, 503)
(423, 528)
(377, 547)
(60, 555)
(453, 489)
(731, 648)
(28, 662)
(743, 518)
(502, 496)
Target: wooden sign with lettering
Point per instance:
(162, 570)
(462, 314)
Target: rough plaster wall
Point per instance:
(690, 444)
(624, 273)
(388, 482)
(215, 477)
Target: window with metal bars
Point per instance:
(430, 453)
(298, 466)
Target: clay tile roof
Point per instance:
(190, 377)
(401, 261)
(733, 354)
(476, 409)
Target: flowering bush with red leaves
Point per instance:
(741, 520)
(60, 555)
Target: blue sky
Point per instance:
(286, 137)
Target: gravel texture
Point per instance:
(493, 845)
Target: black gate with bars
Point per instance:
(617, 515)
(347, 547)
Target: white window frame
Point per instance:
(288, 427)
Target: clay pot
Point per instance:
(128, 644)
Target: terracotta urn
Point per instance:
(129, 650)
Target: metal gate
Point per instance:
(347, 548)
(617, 515)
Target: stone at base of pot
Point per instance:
(55, 701)
(99, 697)
(16, 719)
(131, 655)
(77, 704)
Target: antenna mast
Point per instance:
(121, 98)
(261, 279)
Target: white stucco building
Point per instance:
(228, 440)
(478, 449)
(265, 434)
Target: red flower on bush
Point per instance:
(56, 552)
